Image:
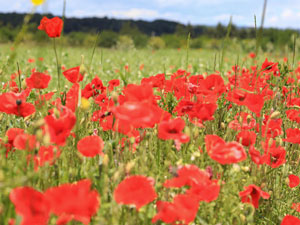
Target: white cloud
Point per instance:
(135, 13)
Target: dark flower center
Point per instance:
(19, 102)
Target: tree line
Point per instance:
(140, 33)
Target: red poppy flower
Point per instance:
(52, 27)
(90, 146)
(293, 181)
(252, 55)
(296, 206)
(25, 142)
(172, 129)
(242, 121)
(12, 133)
(135, 190)
(270, 67)
(293, 115)
(246, 138)
(252, 194)
(293, 135)
(138, 114)
(60, 128)
(73, 75)
(47, 155)
(256, 157)
(222, 152)
(254, 102)
(113, 83)
(73, 202)
(43, 98)
(155, 81)
(72, 97)
(31, 205)
(275, 155)
(183, 209)
(15, 103)
(138, 93)
(202, 187)
(93, 89)
(38, 80)
(290, 220)
(211, 85)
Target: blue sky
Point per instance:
(280, 13)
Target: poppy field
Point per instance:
(104, 136)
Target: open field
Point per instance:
(214, 138)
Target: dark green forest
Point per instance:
(140, 33)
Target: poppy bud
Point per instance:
(249, 119)
(243, 218)
(23, 84)
(1, 175)
(105, 160)
(270, 142)
(129, 166)
(39, 135)
(56, 113)
(196, 132)
(115, 97)
(275, 115)
(46, 140)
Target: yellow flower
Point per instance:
(37, 2)
(85, 104)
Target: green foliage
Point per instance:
(156, 43)
(125, 43)
(108, 39)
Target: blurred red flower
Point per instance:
(60, 128)
(38, 80)
(90, 146)
(31, 205)
(172, 129)
(252, 194)
(222, 152)
(72, 97)
(52, 27)
(15, 103)
(113, 83)
(293, 181)
(202, 187)
(183, 209)
(290, 220)
(246, 138)
(73, 202)
(73, 74)
(135, 190)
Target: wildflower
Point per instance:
(38, 80)
(37, 2)
(290, 220)
(222, 152)
(252, 194)
(15, 103)
(172, 129)
(31, 205)
(90, 146)
(73, 201)
(293, 181)
(52, 27)
(73, 75)
(135, 190)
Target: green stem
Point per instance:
(58, 66)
